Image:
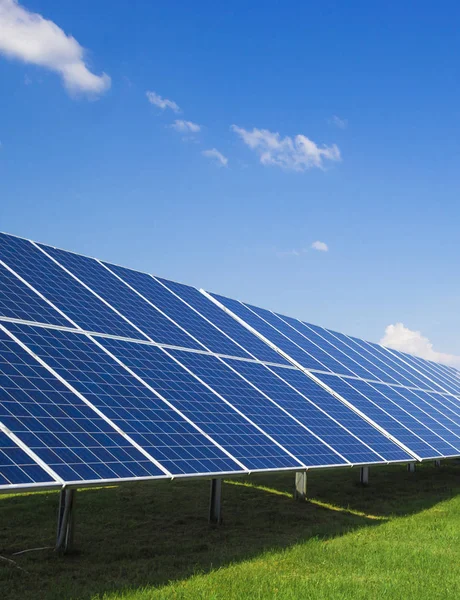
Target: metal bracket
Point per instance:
(65, 526)
(215, 502)
(364, 475)
(300, 492)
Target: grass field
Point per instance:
(398, 538)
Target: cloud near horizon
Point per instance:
(31, 38)
(320, 246)
(404, 339)
(292, 154)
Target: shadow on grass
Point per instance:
(148, 534)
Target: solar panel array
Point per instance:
(108, 374)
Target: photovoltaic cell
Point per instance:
(17, 468)
(344, 415)
(180, 312)
(252, 403)
(17, 301)
(272, 334)
(306, 413)
(148, 420)
(382, 412)
(60, 428)
(123, 299)
(224, 322)
(61, 289)
(219, 420)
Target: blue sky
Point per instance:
(88, 163)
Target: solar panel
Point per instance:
(384, 387)
(283, 428)
(67, 294)
(128, 376)
(175, 443)
(19, 469)
(59, 427)
(113, 290)
(17, 301)
(209, 336)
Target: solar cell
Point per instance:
(283, 428)
(61, 289)
(224, 322)
(175, 443)
(384, 413)
(272, 334)
(63, 431)
(344, 415)
(17, 301)
(114, 291)
(204, 331)
(18, 469)
(319, 423)
(212, 414)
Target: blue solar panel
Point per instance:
(150, 422)
(17, 301)
(272, 334)
(382, 359)
(433, 432)
(219, 420)
(261, 411)
(123, 299)
(344, 415)
(17, 468)
(60, 288)
(438, 380)
(384, 413)
(309, 415)
(224, 322)
(181, 313)
(60, 428)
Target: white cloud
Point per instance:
(404, 339)
(185, 126)
(338, 122)
(293, 252)
(295, 154)
(162, 103)
(217, 156)
(29, 37)
(321, 246)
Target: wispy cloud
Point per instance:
(214, 154)
(338, 122)
(31, 38)
(185, 126)
(290, 253)
(162, 103)
(294, 154)
(404, 339)
(320, 246)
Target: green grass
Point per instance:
(398, 538)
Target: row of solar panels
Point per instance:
(108, 374)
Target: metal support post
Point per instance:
(65, 527)
(364, 475)
(215, 502)
(437, 463)
(300, 485)
(411, 467)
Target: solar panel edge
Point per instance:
(54, 482)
